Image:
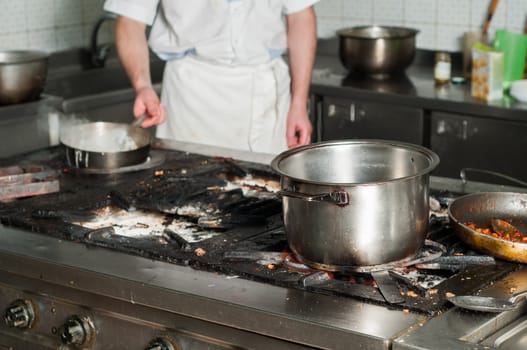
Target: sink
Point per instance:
(95, 81)
(90, 82)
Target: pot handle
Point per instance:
(464, 177)
(339, 198)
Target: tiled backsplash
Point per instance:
(50, 25)
(55, 25)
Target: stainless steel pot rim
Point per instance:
(106, 152)
(68, 134)
(381, 32)
(87, 150)
(432, 157)
(21, 56)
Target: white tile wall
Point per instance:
(514, 11)
(50, 25)
(12, 17)
(54, 25)
(388, 11)
(441, 23)
(357, 10)
(420, 11)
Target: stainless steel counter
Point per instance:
(462, 329)
(415, 88)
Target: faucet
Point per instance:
(98, 55)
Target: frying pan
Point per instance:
(479, 208)
(105, 145)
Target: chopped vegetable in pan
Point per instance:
(514, 237)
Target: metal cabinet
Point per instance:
(315, 110)
(348, 118)
(482, 143)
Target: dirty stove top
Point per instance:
(223, 215)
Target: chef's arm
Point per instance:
(302, 41)
(132, 48)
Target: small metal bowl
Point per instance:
(377, 51)
(22, 75)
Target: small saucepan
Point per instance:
(105, 145)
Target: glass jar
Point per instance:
(442, 68)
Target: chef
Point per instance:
(225, 82)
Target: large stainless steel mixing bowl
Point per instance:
(22, 75)
(377, 51)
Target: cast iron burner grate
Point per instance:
(430, 251)
(420, 285)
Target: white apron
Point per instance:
(240, 107)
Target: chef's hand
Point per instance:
(298, 127)
(147, 102)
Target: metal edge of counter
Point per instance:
(293, 315)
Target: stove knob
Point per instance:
(161, 344)
(19, 314)
(76, 331)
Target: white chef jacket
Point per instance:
(230, 31)
(217, 37)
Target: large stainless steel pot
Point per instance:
(104, 145)
(356, 202)
(377, 51)
(22, 75)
